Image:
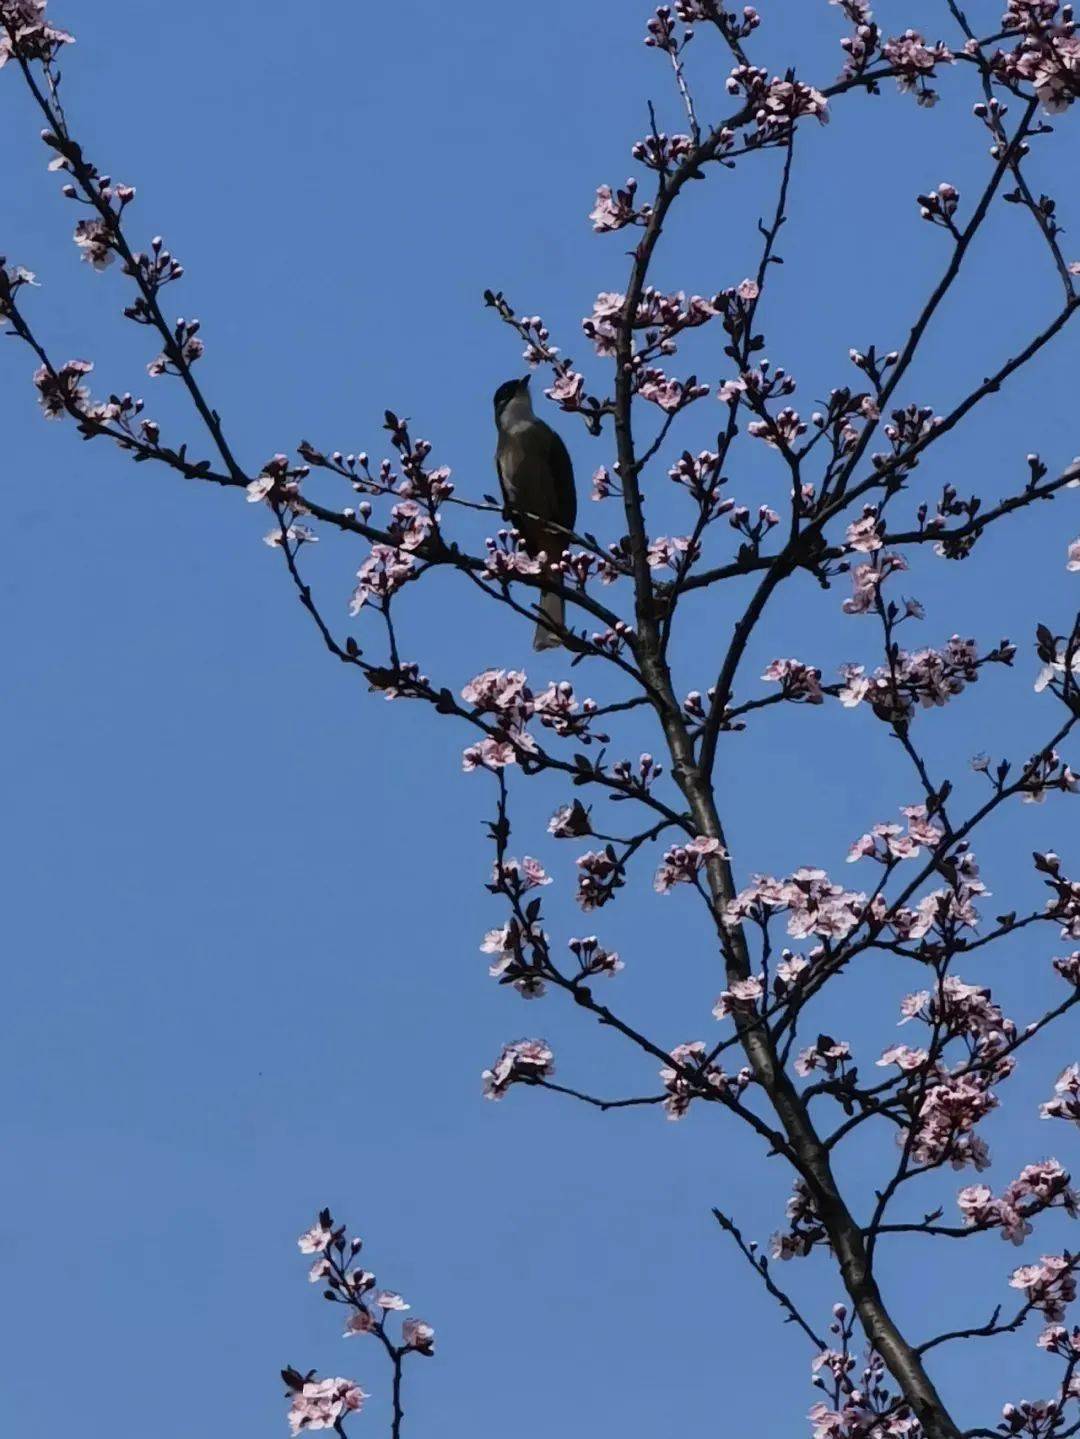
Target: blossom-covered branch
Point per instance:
(855, 504)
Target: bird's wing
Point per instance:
(501, 467)
(562, 470)
(537, 479)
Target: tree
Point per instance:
(848, 513)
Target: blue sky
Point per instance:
(245, 898)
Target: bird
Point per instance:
(537, 479)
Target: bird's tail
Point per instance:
(552, 606)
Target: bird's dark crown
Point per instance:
(506, 392)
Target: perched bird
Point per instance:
(537, 479)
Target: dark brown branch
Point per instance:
(760, 1268)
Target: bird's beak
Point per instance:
(523, 383)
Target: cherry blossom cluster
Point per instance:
(837, 518)
(25, 31)
(889, 843)
(567, 389)
(1038, 1187)
(940, 918)
(861, 46)
(861, 1405)
(615, 209)
(922, 679)
(776, 104)
(682, 863)
(504, 697)
(693, 1075)
(1064, 902)
(326, 1403)
(1047, 55)
(700, 475)
(797, 681)
(945, 1121)
(524, 1061)
(915, 60)
(805, 1231)
(826, 1054)
(600, 875)
(813, 904)
(1066, 1101)
(519, 953)
(320, 1403)
(940, 205)
(1049, 1285)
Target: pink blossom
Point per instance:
(520, 877)
(559, 709)
(1074, 556)
(925, 678)
(1053, 670)
(1048, 1285)
(1047, 55)
(662, 151)
(682, 863)
(946, 1117)
(315, 1240)
(570, 821)
(780, 432)
(567, 390)
(856, 686)
(904, 1057)
(30, 35)
(523, 1061)
(592, 958)
(381, 575)
(825, 1053)
(293, 534)
(865, 534)
(599, 876)
(410, 525)
(490, 754)
(914, 60)
(670, 394)
(791, 968)
(691, 1077)
(601, 326)
(602, 484)
(743, 994)
(866, 581)
(1066, 1101)
(497, 691)
(817, 906)
(669, 553)
(259, 489)
(778, 103)
(320, 1404)
(93, 238)
(798, 681)
(419, 1335)
(940, 205)
(387, 1299)
(616, 209)
(63, 389)
(888, 843)
(806, 1228)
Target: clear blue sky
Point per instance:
(244, 898)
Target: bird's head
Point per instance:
(512, 390)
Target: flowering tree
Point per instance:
(850, 508)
